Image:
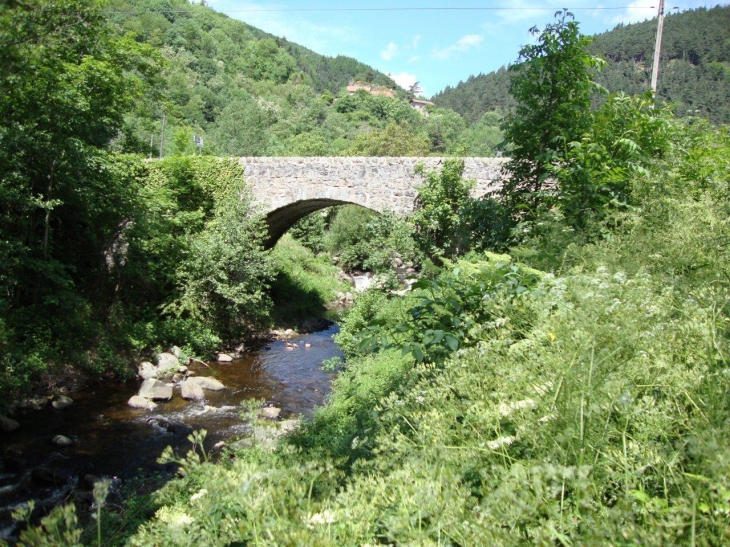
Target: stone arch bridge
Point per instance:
(287, 189)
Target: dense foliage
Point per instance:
(247, 93)
(572, 391)
(508, 405)
(552, 86)
(63, 199)
(694, 74)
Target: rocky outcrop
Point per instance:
(269, 412)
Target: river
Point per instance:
(113, 440)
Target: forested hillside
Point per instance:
(694, 70)
(248, 93)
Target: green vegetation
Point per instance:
(365, 240)
(694, 69)
(570, 391)
(248, 93)
(582, 404)
(552, 86)
(304, 283)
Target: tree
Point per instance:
(67, 85)
(552, 85)
(394, 140)
(442, 200)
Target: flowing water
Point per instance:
(113, 440)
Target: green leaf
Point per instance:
(452, 342)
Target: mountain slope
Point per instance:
(694, 69)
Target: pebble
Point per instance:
(61, 440)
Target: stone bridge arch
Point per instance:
(287, 189)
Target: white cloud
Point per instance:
(635, 12)
(389, 52)
(404, 79)
(414, 59)
(465, 43)
(416, 40)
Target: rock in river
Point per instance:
(207, 383)
(140, 402)
(62, 402)
(224, 358)
(155, 390)
(8, 424)
(192, 390)
(61, 440)
(167, 361)
(147, 370)
(269, 412)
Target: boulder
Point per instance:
(155, 390)
(207, 383)
(224, 358)
(140, 402)
(192, 391)
(147, 370)
(167, 376)
(269, 412)
(176, 351)
(61, 440)
(32, 404)
(167, 361)
(62, 402)
(8, 424)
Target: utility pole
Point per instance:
(657, 47)
(162, 135)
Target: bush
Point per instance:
(365, 240)
(304, 283)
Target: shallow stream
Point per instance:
(113, 440)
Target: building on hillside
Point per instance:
(420, 105)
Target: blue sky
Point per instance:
(435, 47)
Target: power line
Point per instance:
(289, 10)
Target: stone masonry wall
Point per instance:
(376, 183)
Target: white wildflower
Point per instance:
(501, 441)
(507, 409)
(318, 519)
(199, 495)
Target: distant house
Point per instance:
(420, 104)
